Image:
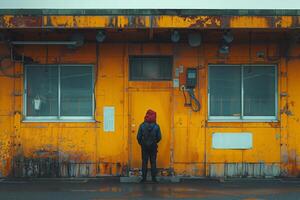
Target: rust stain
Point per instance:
(6, 152)
(295, 21)
(140, 22)
(293, 169)
(48, 164)
(155, 21)
(274, 125)
(149, 21)
(111, 22)
(165, 172)
(278, 22)
(206, 22)
(286, 110)
(135, 22)
(243, 170)
(24, 21)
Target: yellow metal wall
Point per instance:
(150, 21)
(83, 149)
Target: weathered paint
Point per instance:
(244, 170)
(84, 149)
(149, 12)
(155, 21)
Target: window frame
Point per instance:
(57, 118)
(243, 118)
(150, 56)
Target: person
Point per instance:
(148, 137)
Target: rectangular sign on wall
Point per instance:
(109, 119)
(232, 141)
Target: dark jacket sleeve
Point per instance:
(139, 135)
(158, 134)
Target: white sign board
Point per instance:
(232, 141)
(109, 119)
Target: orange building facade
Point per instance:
(74, 111)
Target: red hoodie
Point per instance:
(150, 116)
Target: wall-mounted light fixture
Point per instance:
(175, 36)
(224, 49)
(78, 38)
(100, 36)
(227, 38)
(194, 39)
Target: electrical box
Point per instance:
(191, 78)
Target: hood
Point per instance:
(150, 116)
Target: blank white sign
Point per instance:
(109, 118)
(232, 141)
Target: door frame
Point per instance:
(131, 90)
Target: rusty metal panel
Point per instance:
(244, 170)
(187, 22)
(83, 149)
(291, 154)
(21, 21)
(6, 145)
(151, 21)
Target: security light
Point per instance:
(78, 38)
(100, 36)
(194, 39)
(224, 49)
(175, 36)
(227, 38)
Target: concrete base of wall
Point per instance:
(137, 179)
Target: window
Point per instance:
(58, 92)
(242, 92)
(150, 68)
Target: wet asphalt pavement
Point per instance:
(111, 189)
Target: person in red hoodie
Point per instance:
(148, 137)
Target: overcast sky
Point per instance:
(150, 4)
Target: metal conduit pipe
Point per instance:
(43, 42)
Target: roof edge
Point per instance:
(148, 12)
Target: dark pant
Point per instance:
(146, 154)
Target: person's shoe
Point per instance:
(154, 180)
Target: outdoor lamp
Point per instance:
(78, 39)
(227, 38)
(194, 39)
(224, 49)
(175, 36)
(100, 36)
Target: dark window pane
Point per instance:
(225, 90)
(150, 68)
(76, 91)
(259, 90)
(42, 92)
